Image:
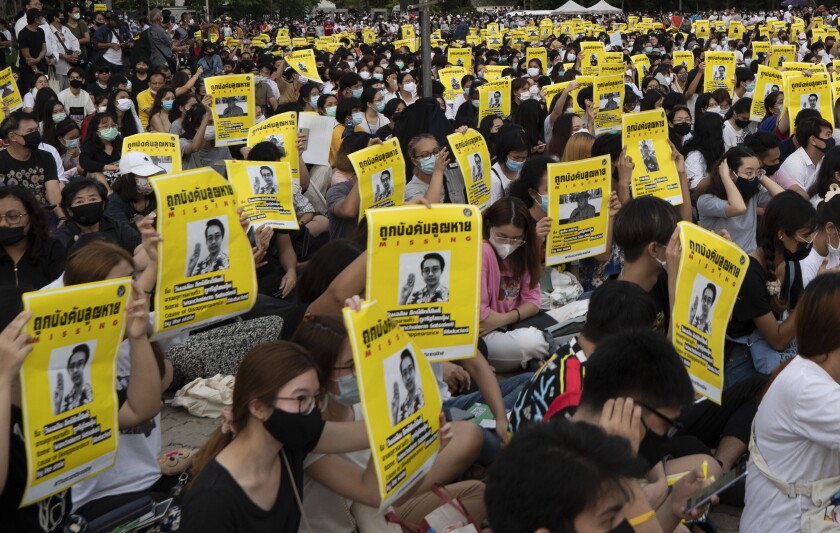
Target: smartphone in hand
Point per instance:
(703, 497)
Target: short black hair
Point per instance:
(268, 168)
(617, 306)
(810, 128)
(761, 142)
(711, 286)
(12, 122)
(406, 354)
(215, 222)
(640, 364)
(642, 221)
(436, 256)
(81, 348)
(74, 187)
(552, 472)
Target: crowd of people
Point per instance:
(601, 433)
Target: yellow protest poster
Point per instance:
(720, 71)
(685, 59)
(265, 191)
(767, 80)
(421, 267)
(578, 204)
(198, 282)
(100, 7)
(380, 170)
(282, 131)
(399, 397)
(810, 92)
(494, 99)
(641, 63)
(67, 384)
(835, 89)
(303, 62)
(494, 72)
(645, 135)
(451, 78)
(407, 31)
(162, 148)
(608, 95)
(233, 107)
(553, 90)
(546, 27)
(299, 42)
(583, 81)
(9, 90)
(801, 66)
(592, 55)
(613, 57)
(780, 53)
(494, 42)
(711, 271)
(736, 30)
(492, 28)
(760, 47)
(701, 29)
(613, 69)
(540, 54)
(471, 153)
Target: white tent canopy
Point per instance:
(570, 8)
(603, 7)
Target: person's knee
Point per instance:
(532, 343)
(467, 439)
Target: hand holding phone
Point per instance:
(703, 497)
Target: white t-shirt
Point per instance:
(372, 126)
(113, 56)
(732, 138)
(695, 168)
(77, 106)
(498, 183)
(796, 430)
(811, 264)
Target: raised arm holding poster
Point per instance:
(645, 135)
(400, 399)
(810, 92)
(281, 130)
(767, 81)
(421, 267)
(233, 107)
(265, 192)
(197, 283)
(710, 276)
(578, 204)
(450, 78)
(303, 62)
(162, 148)
(460, 57)
(608, 99)
(470, 151)
(67, 384)
(380, 170)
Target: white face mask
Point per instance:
(410, 87)
(525, 95)
(124, 104)
(103, 108)
(503, 249)
(534, 90)
(365, 75)
(715, 109)
(210, 133)
(637, 108)
(533, 71)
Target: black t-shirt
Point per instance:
(753, 301)
(46, 516)
(32, 41)
(217, 503)
(138, 85)
(124, 235)
(659, 293)
(32, 174)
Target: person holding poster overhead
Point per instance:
(198, 148)
(510, 291)
(249, 474)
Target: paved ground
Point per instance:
(182, 429)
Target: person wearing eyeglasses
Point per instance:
(249, 474)
(510, 287)
(80, 393)
(216, 259)
(29, 257)
(432, 267)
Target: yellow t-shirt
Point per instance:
(335, 144)
(145, 100)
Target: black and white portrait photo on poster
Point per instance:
(262, 179)
(402, 385)
(70, 376)
(704, 296)
(382, 184)
(231, 106)
(424, 277)
(649, 159)
(207, 246)
(580, 206)
(477, 167)
(809, 101)
(608, 102)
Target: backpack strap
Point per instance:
(791, 490)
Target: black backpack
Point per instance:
(142, 48)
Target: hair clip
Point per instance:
(833, 191)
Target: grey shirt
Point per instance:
(339, 227)
(161, 45)
(741, 228)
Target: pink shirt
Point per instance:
(499, 291)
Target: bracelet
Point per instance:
(518, 315)
(642, 518)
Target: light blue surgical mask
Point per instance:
(380, 106)
(747, 61)
(475, 103)
(167, 104)
(358, 116)
(58, 117)
(400, 64)
(330, 111)
(348, 390)
(514, 166)
(544, 202)
(427, 164)
(71, 143)
(377, 76)
(357, 93)
(751, 87)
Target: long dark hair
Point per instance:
(526, 259)
(561, 132)
(734, 159)
(787, 212)
(707, 139)
(827, 175)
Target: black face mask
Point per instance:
(87, 215)
(623, 527)
(32, 140)
(10, 236)
(742, 123)
(747, 188)
(683, 128)
(829, 144)
(802, 251)
(76, 84)
(294, 430)
(772, 169)
(653, 447)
